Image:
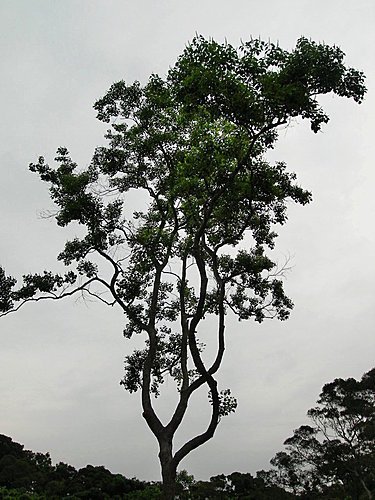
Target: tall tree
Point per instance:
(194, 143)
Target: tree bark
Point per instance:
(168, 469)
(368, 492)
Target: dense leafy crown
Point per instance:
(194, 142)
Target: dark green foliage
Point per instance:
(6, 285)
(9, 447)
(28, 475)
(338, 452)
(20, 468)
(261, 83)
(235, 486)
(193, 145)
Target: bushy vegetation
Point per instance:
(25, 474)
(333, 459)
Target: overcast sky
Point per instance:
(61, 363)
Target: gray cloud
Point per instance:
(61, 363)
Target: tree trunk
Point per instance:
(368, 492)
(169, 482)
(168, 471)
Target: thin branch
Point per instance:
(53, 296)
(97, 296)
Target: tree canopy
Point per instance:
(25, 474)
(338, 451)
(194, 144)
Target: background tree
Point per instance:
(234, 486)
(194, 143)
(339, 450)
(27, 474)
